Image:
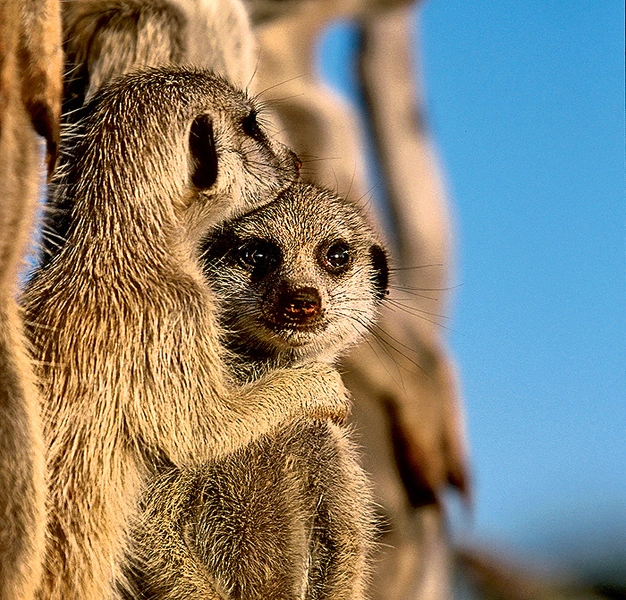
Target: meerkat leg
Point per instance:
(30, 98)
(343, 526)
(230, 529)
(289, 516)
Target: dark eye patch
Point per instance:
(337, 258)
(258, 256)
(216, 248)
(251, 127)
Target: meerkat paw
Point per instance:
(321, 392)
(314, 391)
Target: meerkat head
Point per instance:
(235, 165)
(298, 279)
(180, 147)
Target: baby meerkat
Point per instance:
(297, 280)
(122, 320)
(291, 515)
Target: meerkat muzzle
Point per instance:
(300, 306)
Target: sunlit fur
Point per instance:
(291, 515)
(122, 320)
(30, 103)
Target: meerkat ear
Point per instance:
(380, 266)
(203, 153)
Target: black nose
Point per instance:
(300, 305)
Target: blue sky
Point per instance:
(526, 105)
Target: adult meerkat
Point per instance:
(122, 320)
(30, 102)
(290, 515)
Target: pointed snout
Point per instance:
(300, 305)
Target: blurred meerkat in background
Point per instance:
(106, 38)
(30, 103)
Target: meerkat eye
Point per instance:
(258, 256)
(251, 126)
(337, 258)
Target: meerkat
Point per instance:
(291, 515)
(297, 280)
(30, 103)
(122, 320)
(104, 39)
(107, 38)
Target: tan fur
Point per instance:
(288, 516)
(122, 320)
(30, 86)
(311, 116)
(416, 400)
(291, 515)
(219, 37)
(297, 280)
(107, 38)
